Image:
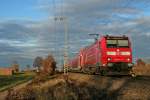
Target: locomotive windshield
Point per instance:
(112, 43)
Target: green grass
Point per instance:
(7, 82)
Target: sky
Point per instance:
(28, 28)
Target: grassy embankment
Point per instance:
(7, 82)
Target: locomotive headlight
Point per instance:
(125, 53)
(108, 59)
(111, 53)
(128, 59)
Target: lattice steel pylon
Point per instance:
(63, 19)
(65, 46)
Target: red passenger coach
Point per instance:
(107, 54)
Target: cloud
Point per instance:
(105, 17)
(27, 39)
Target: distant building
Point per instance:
(6, 71)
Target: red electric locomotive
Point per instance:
(109, 54)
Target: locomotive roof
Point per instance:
(107, 37)
(116, 37)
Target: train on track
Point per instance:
(108, 55)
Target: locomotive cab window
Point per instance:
(123, 43)
(112, 43)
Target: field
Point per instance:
(142, 70)
(85, 87)
(79, 86)
(10, 81)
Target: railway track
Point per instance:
(108, 75)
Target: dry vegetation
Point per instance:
(48, 68)
(141, 68)
(47, 86)
(49, 65)
(87, 87)
(33, 89)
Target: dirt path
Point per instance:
(4, 93)
(45, 84)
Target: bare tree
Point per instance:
(49, 65)
(38, 63)
(28, 67)
(15, 66)
(140, 62)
